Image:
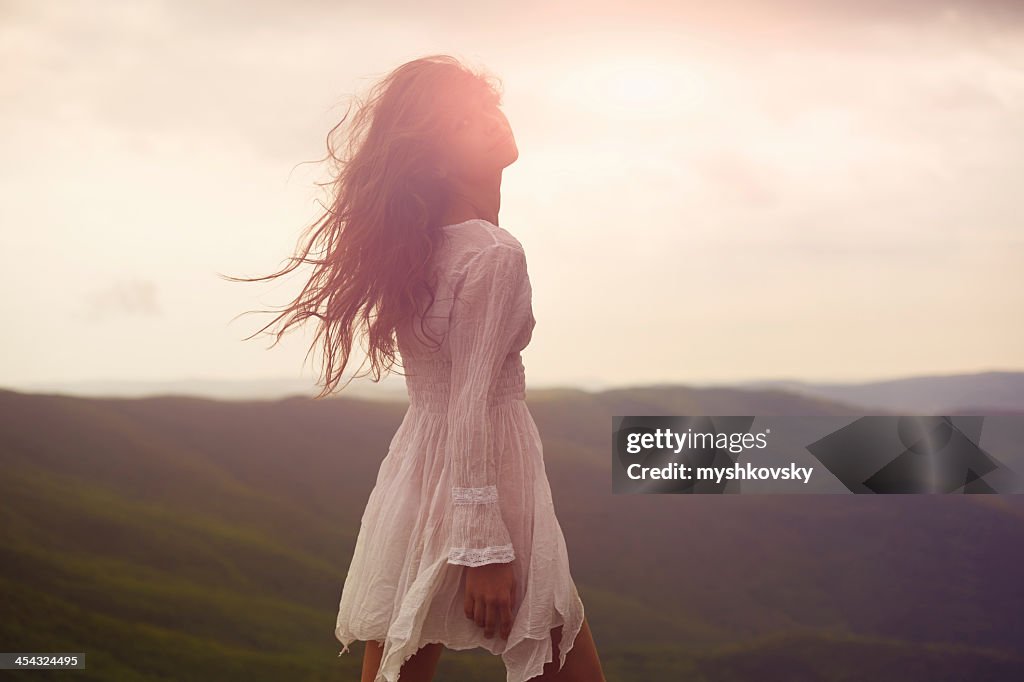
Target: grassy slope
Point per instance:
(179, 538)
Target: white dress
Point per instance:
(463, 483)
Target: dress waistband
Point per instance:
(430, 386)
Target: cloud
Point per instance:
(128, 298)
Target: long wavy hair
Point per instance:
(374, 243)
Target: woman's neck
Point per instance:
(480, 200)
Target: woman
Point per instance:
(458, 545)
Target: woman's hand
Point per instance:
(490, 594)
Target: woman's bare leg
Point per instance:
(581, 664)
(419, 668)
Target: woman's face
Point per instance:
(480, 140)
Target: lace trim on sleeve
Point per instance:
(478, 557)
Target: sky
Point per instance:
(818, 191)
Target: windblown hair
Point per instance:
(376, 240)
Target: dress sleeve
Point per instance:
(484, 321)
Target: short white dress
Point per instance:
(463, 482)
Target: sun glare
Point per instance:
(633, 87)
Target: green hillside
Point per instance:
(186, 539)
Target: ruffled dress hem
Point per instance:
(563, 651)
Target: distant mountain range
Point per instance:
(985, 392)
(187, 538)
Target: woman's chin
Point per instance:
(511, 154)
